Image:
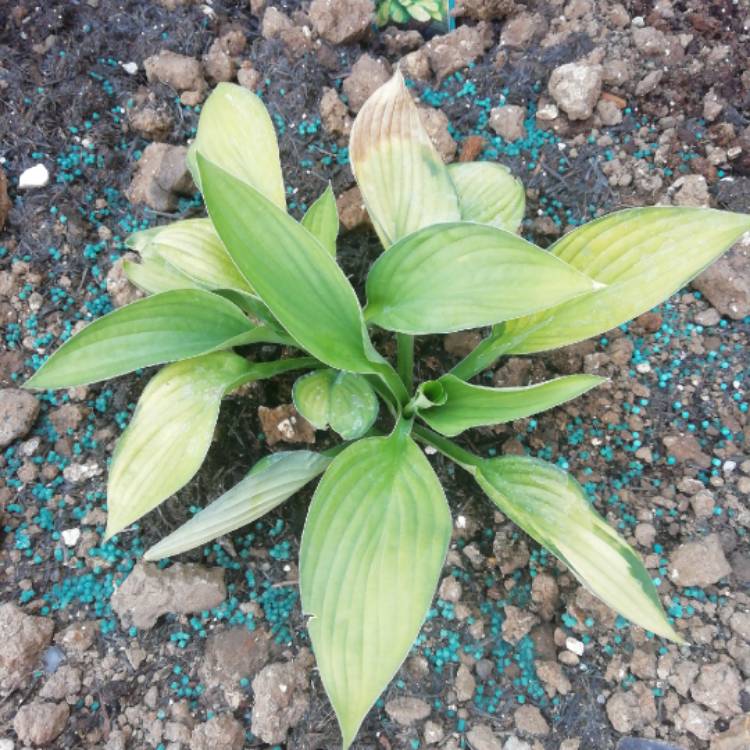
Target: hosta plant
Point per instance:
(405, 11)
(378, 526)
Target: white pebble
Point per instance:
(643, 367)
(574, 645)
(131, 68)
(33, 177)
(70, 536)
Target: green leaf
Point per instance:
(272, 480)
(467, 406)
(343, 400)
(163, 328)
(450, 277)
(172, 428)
(372, 551)
(236, 133)
(322, 220)
(549, 505)
(489, 194)
(404, 183)
(154, 275)
(169, 435)
(644, 255)
(195, 250)
(293, 274)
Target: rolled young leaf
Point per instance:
(450, 277)
(164, 328)
(549, 505)
(322, 220)
(292, 273)
(172, 428)
(643, 255)
(271, 481)
(488, 194)
(193, 248)
(372, 551)
(343, 400)
(236, 133)
(405, 185)
(467, 406)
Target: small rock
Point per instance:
(632, 709)
(180, 72)
(517, 623)
(407, 711)
(367, 76)
(576, 87)
(484, 10)
(650, 41)
(277, 25)
(529, 720)
(22, 640)
(718, 688)
(726, 283)
(692, 718)
(450, 590)
(4, 199)
(285, 424)
(521, 29)
(691, 190)
(342, 21)
(131, 68)
(452, 52)
(433, 733)
(436, 123)
(545, 593)
(149, 592)
(223, 732)
(481, 737)
(461, 343)
(508, 122)
(248, 76)
(709, 317)
(232, 655)
(649, 82)
(119, 288)
(18, 412)
(33, 177)
(740, 624)
(153, 123)
(513, 743)
(699, 563)
(609, 113)
(686, 449)
(66, 681)
(416, 65)
(737, 737)
(281, 698)
(471, 148)
(465, 684)
(552, 676)
(351, 209)
(334, 114)
(40, 723)
(161, 176)
(643, 664)
(220, 62)
(78, 636)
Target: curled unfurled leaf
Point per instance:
(403, 180)
(549, 505)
